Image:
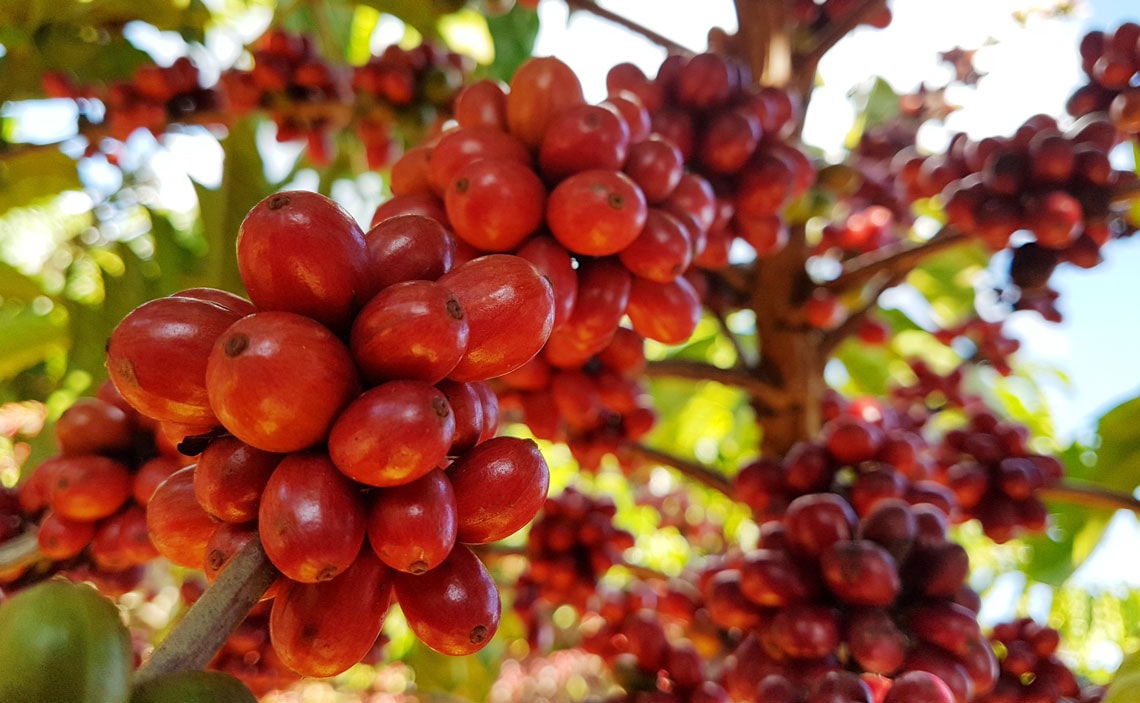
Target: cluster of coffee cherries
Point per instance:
(89, 500)
(1111, 60)
(341, 416)
(594, 409)
(570, 546)
(1055, 184)
(733, 133)
(1030, 668)
(991, 344)
(248, 655)
(827, 591)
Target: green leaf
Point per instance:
(513, 35)
(14, 284)
(30, 176)
(875, 103)
(1118, 459)
(27, 339)
(1125, 687)
(416, 13)
(223, 208)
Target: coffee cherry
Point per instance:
(412, 527)
(499, 487)
(596, 212)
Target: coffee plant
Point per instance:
(465, 378)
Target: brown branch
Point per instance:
(1090, 496)
(21, 551)
(589, 6)
(834, 31)
(772, 396)
(893, 260)
(198, 636)
(690, 469)
(1125, 194)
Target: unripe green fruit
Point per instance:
(193, 687)
(61, 641)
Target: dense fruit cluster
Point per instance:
(89, 501)
(248, 655)
(391, 99)
(570, 546)
(826, 590)
(1030, 669)
(343, 418)
(1111, 60)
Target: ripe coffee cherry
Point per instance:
(88, 487)
(919, 687)
(482, 104)
(816, 521)
(300, 252)
(495, 204)
(584, 137)
(596, 212)
(61, 538)
(510, 311)
(231, 477)
(541, 88)
(311, 518)
(662, 251)
(393, 434)
(157, 355)
(466, 401)
(665, 312)
(455, 607)
(412, 527)
(852, 441)
(603, 296)
(277, 380)
(499, 487)
(860, 572)
(656, 166)
(554, 263)
(459, 148)
(875, 641)
(226, 299)
(771, 578)
(410, 330)
(805, 631)
(321, 629)
(422, 204)
(92, 426)
(177, 524)
(408, 248)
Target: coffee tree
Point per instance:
(639, 399)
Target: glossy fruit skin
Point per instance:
(157, 355)
(311, 518)
(393, 434)
(230, 478)
(321, 629)
(278, 380)
(411, 330)
(88, 487)
(455, 607)
(584, 137)
(193, 687)
(540, 89)
(412, 527)
(495, 204)
(499, 487)
(656, 166)
(92, 426)
(510, 312)
(61, 641)
(666, 312)
(300, 252)
(461, 147)
(603, 295)
(596, 212)
(554, 262)
(224, 298)
(177, 524)
(482, 103)
(408, 248)
(662, 251)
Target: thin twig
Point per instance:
(691, 469)
(589, 6)
(833, 31)
(21, 551)
(1127, 193)
(1090, 496)
(890, 261)
(766, 393)
(208, 624)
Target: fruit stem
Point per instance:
(198, 636)
(589, 6)
(691, 469)
(891, 261)
(833, 31)
(20, 551)
(1090, 496)
(772, 396)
